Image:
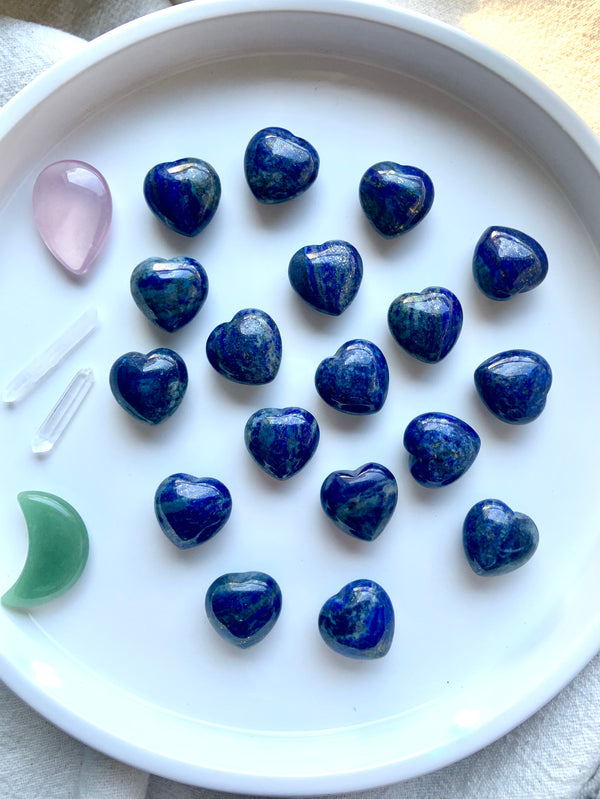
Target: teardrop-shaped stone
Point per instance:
(72, 208)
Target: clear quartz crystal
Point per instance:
(59, 418)
(42, 364)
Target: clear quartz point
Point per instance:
(59, 418)
(27, 379)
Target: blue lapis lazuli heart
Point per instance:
(496, 539)
(191, 510)
(507, 261)
(282, 440)
(360, 502)
(183, 194)
(441, 447)
(327, 276)
(358, 621)
(150, 387)
(514, 385)
(169, 292)
(243, 607)
(426, 324)
(279, 166)
(395, 197)
(247, 349)
(356, 379)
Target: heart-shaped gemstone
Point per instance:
(508, 262)
(72, 209)
(279, 166)
(190, 510)
(169, 292)
(514, 384)
(247, 349)
(426, 324)
(442, 448)
(361, 502)
(358, 621)
(354, 380)
(282, 440)
(394, 197)
(327, 275)
(183, 194)
(496, 539)
(243, 606)
(149, 387)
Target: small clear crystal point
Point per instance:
(59, 418)
(26, 380)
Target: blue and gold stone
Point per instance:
(395, 197)
(243, 606)
(356, 379)
(426, 324)
(327, 276)
(496, 539)
(282, 440)
(507, 261)
(358, 621)
(169, 292)
(247, 349)
(360, 502)
(150, 387)
(441, 447)
(190, 510)
(183, 194)
(279, 166)
(513, 385)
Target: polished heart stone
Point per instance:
(72, 210)
(441, 447)
(279, 166)
(183, 194)
(508, 262)
(358, 621)
(243, 606)
(190, 510)
(169, 292)
(514, 384)
(354, 380)
(282, 440)
(394, 197)
(426, 324)
(149, 387)
(360, 502)
(247, 349)
(327, 275)
(497, 540)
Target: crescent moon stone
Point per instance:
(57, 554)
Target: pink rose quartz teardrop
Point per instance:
(72, 208)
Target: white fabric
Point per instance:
(553, 755)
(26, 50)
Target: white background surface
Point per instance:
(140, 603)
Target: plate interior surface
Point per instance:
(127, 659)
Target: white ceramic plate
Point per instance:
(127, 660)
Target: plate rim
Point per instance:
(381, 11)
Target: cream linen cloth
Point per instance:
(554, 754)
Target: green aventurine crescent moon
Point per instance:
(57, 554)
